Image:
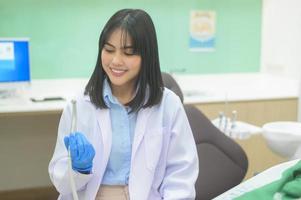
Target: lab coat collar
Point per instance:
(87, 97)
(107, 94)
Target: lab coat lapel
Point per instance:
(140, 129)
(104, 122)
(102, 135)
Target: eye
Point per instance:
(129, 52)
(109, 50)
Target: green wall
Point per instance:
(64, 33)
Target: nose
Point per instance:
(117, 59)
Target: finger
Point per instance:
(80, 145)
(87, 147)
(85, 156)
(85, 141)
(73, 147)
(83, 137)
(66, 142)
(91, 152)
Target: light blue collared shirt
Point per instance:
(123, 127)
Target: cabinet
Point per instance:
(258, 113)
(255, 112)
(26, 145)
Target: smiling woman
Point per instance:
(144, 147)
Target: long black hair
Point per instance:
(139, 26)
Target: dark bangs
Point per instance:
(128, 26)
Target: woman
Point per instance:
(134, 140)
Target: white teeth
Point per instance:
(117, 70)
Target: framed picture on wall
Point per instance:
(202, 31)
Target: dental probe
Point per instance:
(73, 130)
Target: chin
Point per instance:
(117, 81)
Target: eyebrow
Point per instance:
(125, 47)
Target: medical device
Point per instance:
(73, 130)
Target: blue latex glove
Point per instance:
(82, 152)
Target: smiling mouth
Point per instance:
(118, 72)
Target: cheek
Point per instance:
(104, 59)
(136, 63)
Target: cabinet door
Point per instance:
(259, 155)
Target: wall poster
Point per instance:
(202, 30)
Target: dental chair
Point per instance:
(222, 162)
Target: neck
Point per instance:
(123, 94)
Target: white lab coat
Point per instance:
(164, 161)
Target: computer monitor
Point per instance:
(14, 65)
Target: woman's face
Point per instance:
(119, 61)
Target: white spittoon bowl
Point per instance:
(283, 138)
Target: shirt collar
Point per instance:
(107, 94)
(109, 98)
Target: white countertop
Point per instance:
(236, 87)
(65, 88)
(196, 89)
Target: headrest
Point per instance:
(170, 83)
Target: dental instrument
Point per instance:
(73, 130)
(233, 124)
(226, 125)
(233, 119)
(225, 130)
(221, 116)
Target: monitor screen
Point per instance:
(14, 67)
(14, 60)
